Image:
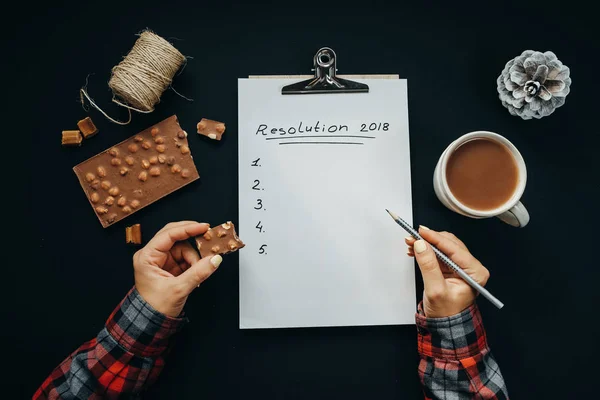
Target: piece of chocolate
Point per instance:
(211, 129)
(135, 176)
(71, 138)
(133, 234)
(87, 127)
(220, 239)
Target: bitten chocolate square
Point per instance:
(220, 239)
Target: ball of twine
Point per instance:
(145, 73)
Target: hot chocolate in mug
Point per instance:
(463, 156)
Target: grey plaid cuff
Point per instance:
(452, 338)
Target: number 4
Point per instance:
(259, 226)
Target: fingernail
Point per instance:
(216, 261)
(424, 228)
(408, 238)
(420, 246)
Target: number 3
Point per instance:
(258, 204)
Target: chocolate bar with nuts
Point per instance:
(87, 127)
(220, 239)
(210, 128)
(133, 234)
(138, 171)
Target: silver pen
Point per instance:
(446, 260)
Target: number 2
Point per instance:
(259, 204)
(256, 183)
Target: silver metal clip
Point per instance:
(325, 81)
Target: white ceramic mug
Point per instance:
(513, 212)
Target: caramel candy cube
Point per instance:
(133, 234)
(211, 129)
(87, 127)
(71, 138)
(221, 239)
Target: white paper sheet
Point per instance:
(320, 248)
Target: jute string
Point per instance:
(145, 73)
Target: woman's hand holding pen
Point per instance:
(445, 294)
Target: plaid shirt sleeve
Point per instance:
(125, 357)
(456, 362)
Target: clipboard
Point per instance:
(314, 180)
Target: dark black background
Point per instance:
(75, 272)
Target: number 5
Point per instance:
(262, 249)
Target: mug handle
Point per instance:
(516, 216)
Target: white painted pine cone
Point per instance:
(534, 84)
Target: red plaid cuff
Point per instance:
(456, 337)
(139, 328)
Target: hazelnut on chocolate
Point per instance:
(161, 148)
(95, 197)
(126, 209)
(132, 148)
(138, 138)
(215, 249)
(111, 218)
(208, 235)
(162, 158)
(181, 134)
(159, 140)
(90, 177)
(95, 184)
(153, 160)
(232, 244)
(143, 176)
(105, 185)
(123, 171)
(171, 160)
(114, 152)
(115, 162)
(114, 191)
(145, 164)
(146, 145)
(130, 160)
(185, 173)
(185, 149)
(134, 203)
(221, 233)
(101, 171)
(154, 131)
(101, 210)
(155, 171)
(109, 201)
(176, 169)
(122, 201)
